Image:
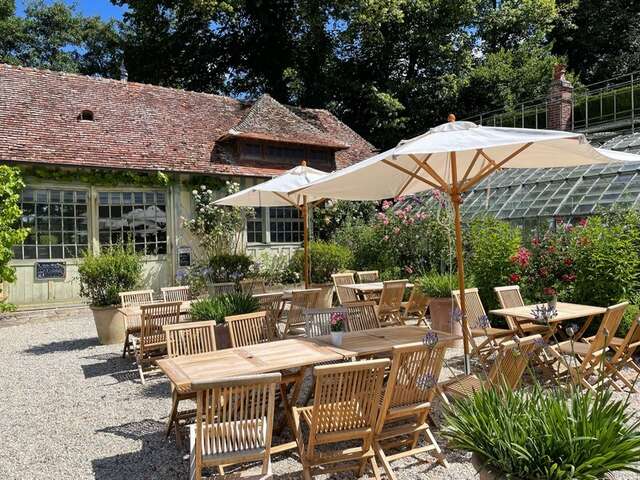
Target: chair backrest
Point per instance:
(176, 294)
(345, 295)
(513, 357)
(135, 298)
(235, 416)
(300, 300)
(418, 302)
(190, 338)
(217, 289)
(273, 304)
(509, 297)
(253, 285)
(391, 296)
(606, 331)
(152, 320)
(475, 312)
(413, 378)
(368, 276)
(317, 321)
(249, 329)
(362, 316)
(325, 296)
(630, 344)
(346, 397)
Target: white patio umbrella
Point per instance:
(277, 192)
(453, 158)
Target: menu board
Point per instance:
(51, 270)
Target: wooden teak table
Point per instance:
(566, 311)
(365, 289)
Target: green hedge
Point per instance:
(325, 259)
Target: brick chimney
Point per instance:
(559, 102)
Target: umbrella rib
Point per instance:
(494, 166)
(473, 162)
(404, 187)
(429, 169)
(286, 199)
(410, 173)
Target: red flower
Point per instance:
(535, 241)
(551, 249)
(549, 291)
(514, 278)
(522, 257)
(543, 272)
(568, 277)
(582, 222)
(568, 262)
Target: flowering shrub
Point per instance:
(335, 214)
(325, 259)
(217, 228)
(411, 235)
(274, 269)
(546, 266)
(336, 322)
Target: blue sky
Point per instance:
(101, 8)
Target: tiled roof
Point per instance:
(625, 143)
(146, 127)
(269, 120)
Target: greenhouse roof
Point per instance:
(521, 194)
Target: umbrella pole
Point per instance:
(455, 199)
(305, 222)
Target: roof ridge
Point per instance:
(118, 82)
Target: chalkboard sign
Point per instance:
(51, 271)
(184, 257)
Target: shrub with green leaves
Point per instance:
(536, 434)
(325, 259)
(228, 267)
(492, 243)
(115, 269)
(437, 285)
(216, 308)
(11, 185)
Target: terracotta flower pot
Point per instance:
(440, 310)
(109, 325)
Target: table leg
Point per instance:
(287, 405)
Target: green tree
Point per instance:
(11, 234)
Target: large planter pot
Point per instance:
(223, 337)
(109, 325)
(440, 311)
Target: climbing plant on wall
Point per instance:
(11, 185)
(96, 176)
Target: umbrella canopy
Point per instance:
(457, 150)
(453, 158)
(275, 192)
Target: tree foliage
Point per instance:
(10, 234)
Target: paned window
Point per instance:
(285, 225)
(57, 220)
(133, 217)
(255, 232)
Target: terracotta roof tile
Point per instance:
(146, 127)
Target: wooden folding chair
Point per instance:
(484, 339)
(509, 297)
(153, 339)
(345, 409)
(273, 304)
(186, 339)
(132, 323)
(391, 302)
(506, 372)
(217, 289)
(623, 351)
(581, 359)
(415, 307)
(325, 296)
(345, 295)
(249, 329)
(253, 286)
(368, 276)
(300, 300)
(176, 294)
(362, 316)
(411, 385)
(234, 423)
(317, 321)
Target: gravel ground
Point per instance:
(73, 409)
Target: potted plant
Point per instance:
(442, 307)
(217, 308)
(337, 321)
(102, 277)
(544, 434)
